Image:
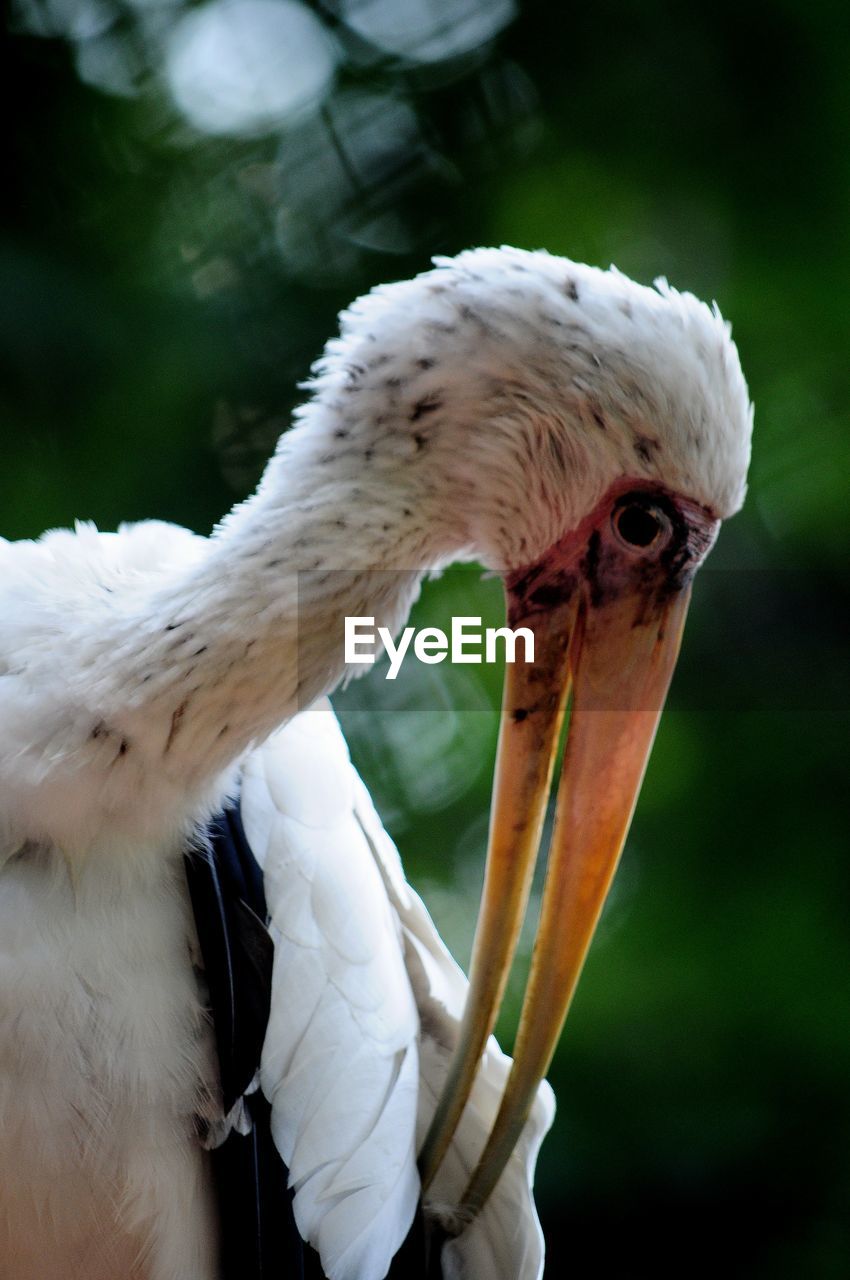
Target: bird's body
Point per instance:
(481, 410)
(107, 1061)
(105, 1052)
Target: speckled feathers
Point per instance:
(513, 387)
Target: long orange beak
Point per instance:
(618, 656)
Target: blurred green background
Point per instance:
(191, 195)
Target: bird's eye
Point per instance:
(640, 525)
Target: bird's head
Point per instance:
(511, 392)
(584, 435)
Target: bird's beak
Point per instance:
(617, 656)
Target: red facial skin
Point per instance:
(593, 556)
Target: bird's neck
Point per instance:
(254, 632)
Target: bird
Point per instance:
(578, 434)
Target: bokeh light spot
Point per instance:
(244, 67)
(427, 30)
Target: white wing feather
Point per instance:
(505, 1241)
(366, 1003)
(340, 1062)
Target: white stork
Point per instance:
(579, 434)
